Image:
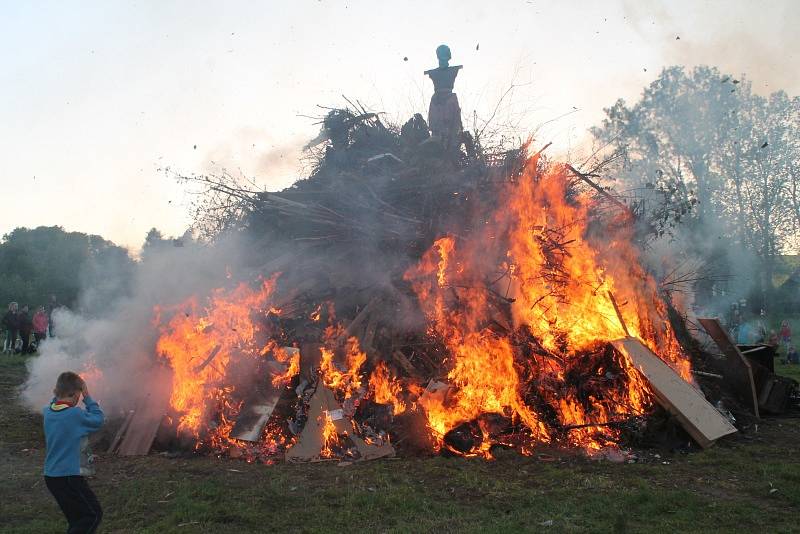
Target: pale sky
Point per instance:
(96, 96)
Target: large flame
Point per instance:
(203, 342)
(559, 285)
(330, 437)
(523, 307)
(347, 382)
(199, 342)
(563, 282)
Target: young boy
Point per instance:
(65, 428)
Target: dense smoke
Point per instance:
(115, 351)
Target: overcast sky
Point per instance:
(96, 97)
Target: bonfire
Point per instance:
(412, 301)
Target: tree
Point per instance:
(706, 142)
(755, 168)
(44, 261)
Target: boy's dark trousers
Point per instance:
(77, 501)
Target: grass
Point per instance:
(746, 483)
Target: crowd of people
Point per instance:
(25, 331)
(753, 331)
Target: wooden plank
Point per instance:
(738, 372)
(761, 354)
(368, 339)
(149, 413)
(363, 315)
(120, 432)
(697, 416)
(775, 393)
(210, 357)
(619, 313)
(400, 358)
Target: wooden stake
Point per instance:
(619, 314)
(208, 360)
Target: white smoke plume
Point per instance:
(115, 352)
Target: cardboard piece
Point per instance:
(738, 371)
(310, 442)
(697, 416)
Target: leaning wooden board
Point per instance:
(738, 372)
(697, 416)
(147, 417)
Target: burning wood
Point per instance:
(468, 302)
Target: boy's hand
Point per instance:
(85, 390)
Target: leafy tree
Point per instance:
(36, 263)
(156, 242)
(724, 161)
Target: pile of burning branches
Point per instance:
(415, 298)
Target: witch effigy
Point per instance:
(444, 113)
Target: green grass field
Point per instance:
(746, 483)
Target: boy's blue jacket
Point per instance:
(64, 426)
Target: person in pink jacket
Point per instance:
(40, 325)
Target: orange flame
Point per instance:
(385, 389)
(562, 293)
(330, 437)
(290, 356)
(200, 342)
(346, 383)
(522, 308)
(558, 286)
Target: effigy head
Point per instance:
(443, 55)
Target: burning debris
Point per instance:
(421, 293)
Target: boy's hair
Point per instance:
(68, 384)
